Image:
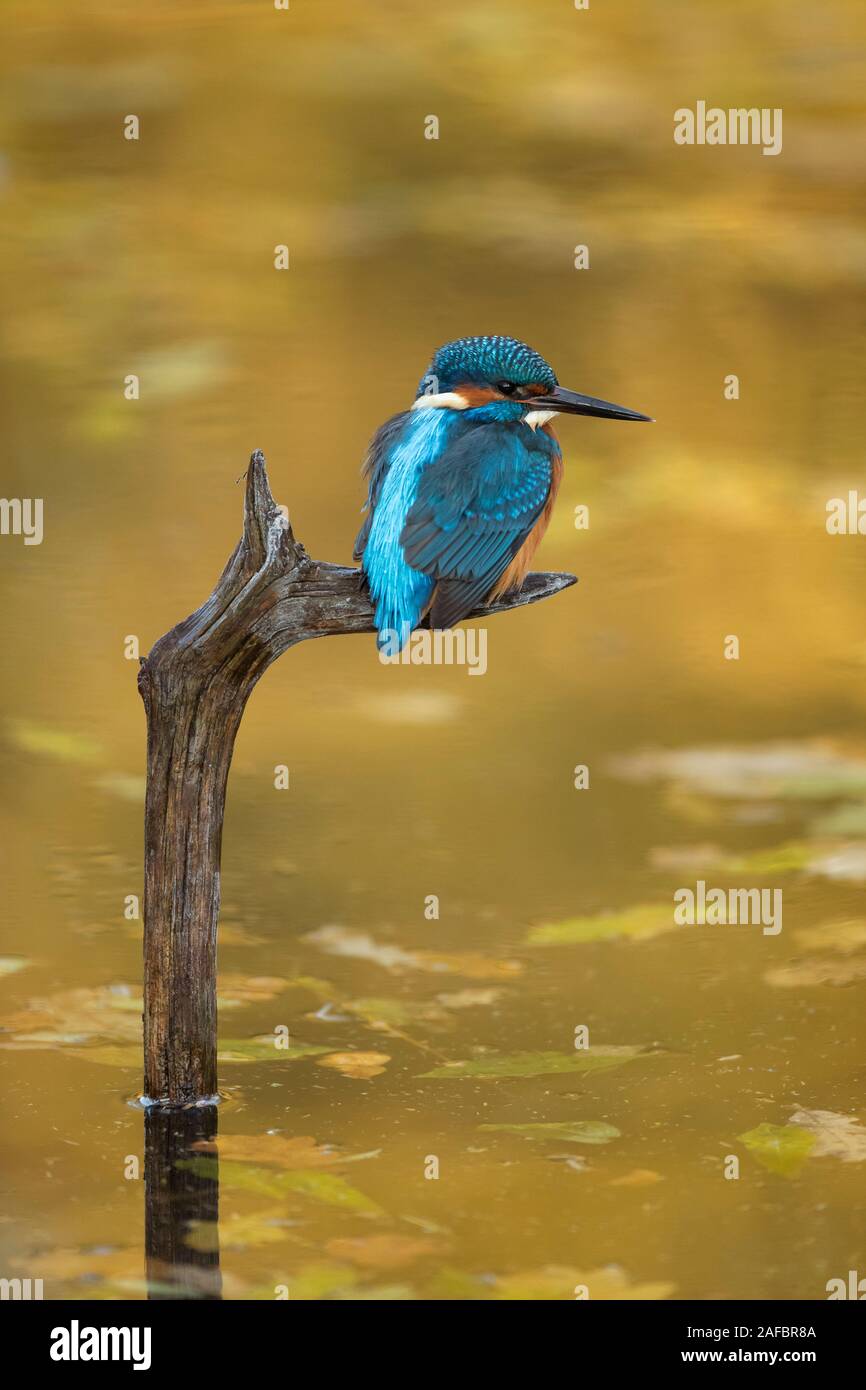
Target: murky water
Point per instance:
(155, 258)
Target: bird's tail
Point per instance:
(397, 614)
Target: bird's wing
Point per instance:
(375, 468)
(476, 505)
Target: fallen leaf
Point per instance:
(785, 858)
(73, 1016)
(469, 998)
(238, 1232)
(278, 1149)
(10, 965)
(847, 819)
(817, 970)
(835, 1136)
(781, 1149)
(181, 369)
(102, 1262)
(419, 708)
(236, 990)
(494, 1067)
(845, 863)
(264, 1048)
(341, 941)
(130, 1057)
(470, 964)
(382, 1251)
(557, 1282)
(840, 941)
(638, 923)
(688, 859)
(575, 1131)
(319, 1281)
(323, 1187)
(236, 934)
(638, 1177)
(844, 936)
(57, 744)
(360, 1066)
(126, 786)
(813, 770)
(392, 1013)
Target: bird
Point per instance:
(461, 486)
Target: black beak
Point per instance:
(570, 403)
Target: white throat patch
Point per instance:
(538, 417)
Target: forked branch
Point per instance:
(195, 683)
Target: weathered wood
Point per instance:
(195, 683)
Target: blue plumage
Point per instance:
(461, 486)
(456, 484)
(401, 593)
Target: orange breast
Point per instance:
(516, 572)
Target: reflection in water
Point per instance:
(156, 258)
(182, 1205)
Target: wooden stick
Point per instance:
(195, 684)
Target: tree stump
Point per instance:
(195, 684)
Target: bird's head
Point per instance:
(472, 373)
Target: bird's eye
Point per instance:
(507, 388)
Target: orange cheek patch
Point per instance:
(475, 396)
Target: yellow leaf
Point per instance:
(358, 1065)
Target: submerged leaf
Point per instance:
(848, 819)
(72, 1016)
(844, 960)
(10, 965)
(103, 1262)
(638, 1177)
(321, 1280)
(471, 964)
(470, 998)
(835, 1136)
(239, 1232)
(843, 936)
(360, 1066)
(781, 1149)
(278, 1149)
(817, 970)
(124, 785)
(813, 770)
(639, 923)
(572, 1131)
(264, 1048)
(323, 1187)
(58, 744)
(382, 1251)
(342, 941)
(235, 990)
(493, 1067)
(558, 1282)
(786, 858)
(110, 1056)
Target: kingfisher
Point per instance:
(463, 483)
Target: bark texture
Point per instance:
(195, 684)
